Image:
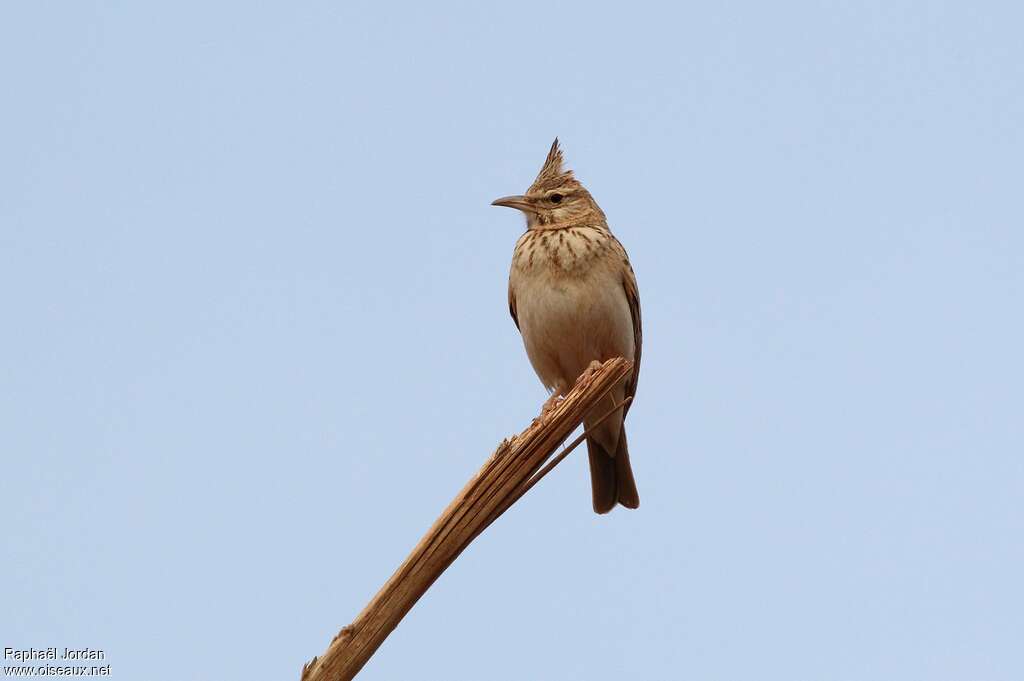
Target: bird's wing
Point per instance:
(512, 303)
(633, 297)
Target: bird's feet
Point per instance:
(550, 404)
(591, 369)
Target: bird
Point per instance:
(573, 296)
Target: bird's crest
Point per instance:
(552, 175)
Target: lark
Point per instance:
(573, 296)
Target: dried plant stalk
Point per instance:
(513, 468)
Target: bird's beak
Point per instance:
(517, 202)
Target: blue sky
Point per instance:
(256, 336)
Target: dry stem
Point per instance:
(508, 474)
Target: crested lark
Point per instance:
(573, 296)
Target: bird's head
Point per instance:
(555, 199)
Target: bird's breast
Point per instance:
(570, 301)
(568, 252)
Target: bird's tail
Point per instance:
(611, 476)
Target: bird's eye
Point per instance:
(555, 198)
